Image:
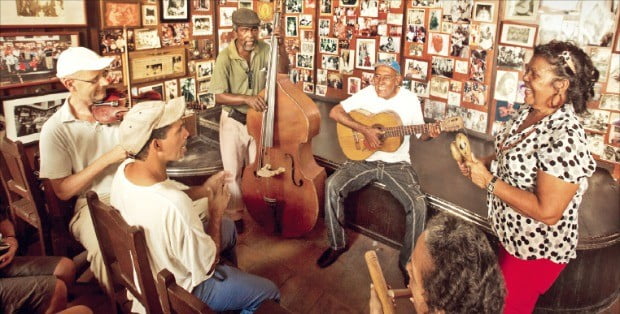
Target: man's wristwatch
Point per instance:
(491, 185)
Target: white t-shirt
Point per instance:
(68, 145)
(405, 103)
(174, 233)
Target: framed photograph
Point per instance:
(334, 80)
(34, 14)
(365, 50)
(146, 38)
(305, 21)
(201, 5)
(25, 116)
(206, 100)
(245, 4)
(353, 85)
(518, 34)
(291, 26)
(174, 11)
(174, 34)
(347, 61)
(204, 69)
(325, 8)
(329, 45)
(506, 85)
(113, 41)
(293, 6)
(171, 88)
(157, 65)
(349, 3)
(158, 88)
(114, 75)
(308, 88)
(226, 16)
(41, 67)
(115, 14)
(202, 25)
(305, 61)
(439, 44)
(330, 62)
(149, 15)
(523, 10)
(416, 69)
(483, 12)
(188, 89)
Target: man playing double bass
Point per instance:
(393, 169)
(239, 75)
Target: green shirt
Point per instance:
(230, 73)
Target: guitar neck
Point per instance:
(407, 130)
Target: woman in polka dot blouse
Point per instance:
(539, 172)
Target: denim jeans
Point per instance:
(400, 180)
(232, 289)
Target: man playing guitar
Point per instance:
(393, 169)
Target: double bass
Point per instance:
(283, 188)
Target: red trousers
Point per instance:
(526, 280)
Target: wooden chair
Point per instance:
(124, 252)
(174, 299)
(25, 198)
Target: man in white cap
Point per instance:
(238, 76)
(77, 153)
(153, 134)
(393, 169)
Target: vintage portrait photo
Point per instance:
(483, 11)
(325, 8)
(30, 57)
(610, 102)
(200, 49)
(321, 90)
(482, 35)
(389, 44)
(206, 100)
(202, 25)
(329, 45)
(204, 69)
(201, 5)
(434, 109)
(420, 88)
(506, 84)
(434, 20)
(174, 34)
(353, 85)
(226, 16)
(305, 61)
(442, 66)
(334, 80)
(330, 62)
(439, 87)
(595, 120)
(416, 50)
(114, 73)
(459, 40)
(347, 61)
(113, 41)
(522, 10)
(439, 44)
(146, 38)
(513, 57)
(476, 120)
(119, 14)
(171, 89)
(25, 116)
(188, 89)
(416, 17)
(149, 15)
(305, 21)
(478, 65)
(369, 8)
(505, 110)
(174, 10)
(308, 88)
(365, 52)
(474, 93)
(291, 26)
(518, 34)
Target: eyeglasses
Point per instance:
(94, 80)
(382, 78)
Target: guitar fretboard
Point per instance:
(407, 130)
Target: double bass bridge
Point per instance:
(267, 172)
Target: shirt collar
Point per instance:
(65, 112)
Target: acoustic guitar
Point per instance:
(354, 144)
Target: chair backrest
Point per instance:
(24, 195)
(174, 299)
(124, 253)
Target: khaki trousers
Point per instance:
(238, 149)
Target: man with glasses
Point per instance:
(239, 75)
(393, 169)
(77, 153)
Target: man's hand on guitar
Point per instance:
(434, 130)
(372, 137)
(256, 102)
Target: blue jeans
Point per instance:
(399, 178)
(232, 289)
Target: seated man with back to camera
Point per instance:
(390, 168)
(154, 135)
(453, 269)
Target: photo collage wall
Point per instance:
(171, 46)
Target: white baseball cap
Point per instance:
(143, 118)
(77, 59)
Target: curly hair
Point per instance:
(466, 277)
(583, 77)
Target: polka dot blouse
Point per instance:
(556, 145)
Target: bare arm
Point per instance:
(69, 186)
(546, 204)
(199, 191)
(371, 134)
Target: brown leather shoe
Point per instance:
(329, 257)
